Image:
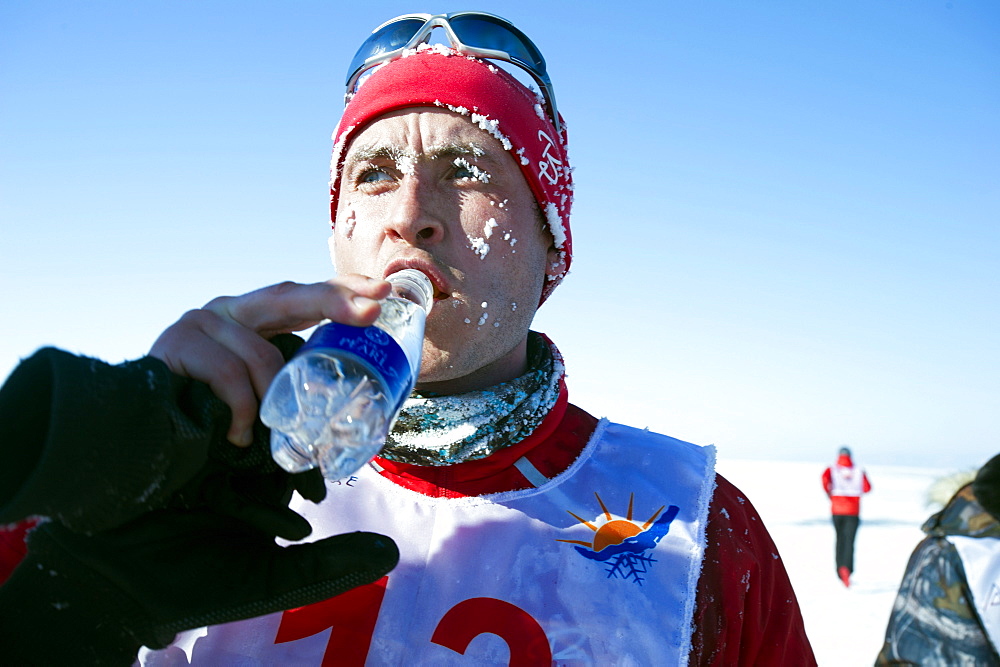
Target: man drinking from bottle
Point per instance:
(528, 530)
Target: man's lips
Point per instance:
(442, 289)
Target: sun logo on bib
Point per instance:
(623, 544)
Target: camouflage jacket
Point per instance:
(933, 620)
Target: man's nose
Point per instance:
(416, 218)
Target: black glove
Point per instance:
(209, 557)
(93, 445)
(95, 599)
(176, 533)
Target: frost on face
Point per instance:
(406, 163)
(477, 173)
(482, 320)
(520, 154)
(349, 224)
(479, 246)
(488, 227)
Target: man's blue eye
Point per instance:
(374, 176)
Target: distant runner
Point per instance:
(845, 483)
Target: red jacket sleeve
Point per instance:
(827, 481)
(867, 485)
(746, 611)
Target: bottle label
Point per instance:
(373, 346)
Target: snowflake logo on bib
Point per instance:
(623, 544)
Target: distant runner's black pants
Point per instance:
(847, 527)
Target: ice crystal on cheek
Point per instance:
(479, 246)
(350, 222)
(488, 227)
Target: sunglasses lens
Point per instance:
(485, 32)
(389, 38)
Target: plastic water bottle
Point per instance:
(333, 403)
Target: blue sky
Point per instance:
(785, 227)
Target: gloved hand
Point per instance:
(95, 599)
(194, 547)
(94, 445)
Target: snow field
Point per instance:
(846, 626)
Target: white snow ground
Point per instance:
(846, 626)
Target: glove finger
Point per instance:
(174, 570)
(277, 521)
(310, 485)
(308, 573)
(296, 576)
(259, 501)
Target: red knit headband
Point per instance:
(492, 99)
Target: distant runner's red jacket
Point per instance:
(845, 484)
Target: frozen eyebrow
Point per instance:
(456, 150)
(376, 152)
(405, 159)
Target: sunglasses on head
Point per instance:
(475, 33)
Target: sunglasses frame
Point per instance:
(423, 34)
